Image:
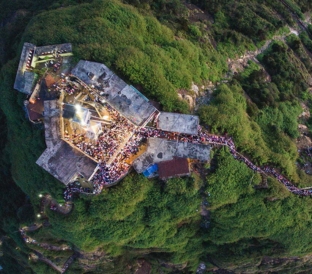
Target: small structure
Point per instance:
(176, 167)
(23, 76)
(160, 150)
(93, 130)
(176, 122)
(127, 100)
(61, 49)
(66, 163)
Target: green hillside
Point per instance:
(160, 48)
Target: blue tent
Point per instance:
(150, 170)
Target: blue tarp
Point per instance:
(150, 170)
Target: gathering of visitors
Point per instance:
(110, 142)
(73, 188)
(110, 174)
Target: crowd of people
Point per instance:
(286, 182)
(108, 141)
(204, 137)
(73, 188)
(64, 85)
(108, 174)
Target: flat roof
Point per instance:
(52, 130)
(65, 163)
(132, 104)
(29, 81)
(173, 168)
(20, 82)
(67, 47)
(176, 122)
(159, 150)
(98, 75)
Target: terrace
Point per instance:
(160, 150)
(176, 122)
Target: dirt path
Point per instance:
(69, 261)
(47, 261)
(33, 227)
(238, 64)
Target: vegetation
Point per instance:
(155, 46)
(134, 52)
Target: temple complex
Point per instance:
(98, 127)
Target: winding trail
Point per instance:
(47, 246)
(265, 170)
(296, 17)
(205, 138)
(69, 261)
(42, 258)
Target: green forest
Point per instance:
(254, 224)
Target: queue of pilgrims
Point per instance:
(71, 188)
(110, 174)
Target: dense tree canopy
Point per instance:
(160, 48)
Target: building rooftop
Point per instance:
(133, 105)
(159, 150)
(52, 130)
(67, 47)
(105, 110)
(98, 75)
(173, 168)
(65, 163)
(29, 81)
(111, 89)
(24, 77)
(175, 122)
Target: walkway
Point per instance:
(266, 170)
(203, 137)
